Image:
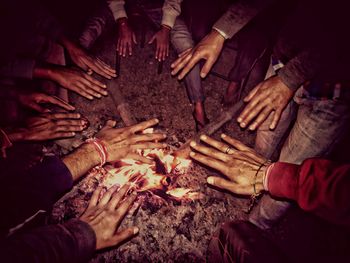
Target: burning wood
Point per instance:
(159, 177)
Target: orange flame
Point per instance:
(160, 175)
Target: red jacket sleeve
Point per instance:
(317, 185)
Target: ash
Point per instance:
(170, 230)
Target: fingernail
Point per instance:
(210, 180)
(192, 154)
(239, 119)
(203, 137)
(156, 120)
(223, 135)
(252, 127)
(78, 115)
(242, 124)
(72, 133)
(136, 230)
(164, 135)
(202, 75)
(165, 145)
(193, 143)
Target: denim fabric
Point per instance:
(319, 126)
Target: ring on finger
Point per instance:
(229, 150)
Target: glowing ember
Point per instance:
(161, 175)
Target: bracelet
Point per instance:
(166, 27)
(100, 148)
(4, 143)
(265, 177)
(254, 197)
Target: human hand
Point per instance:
(208, 48)
(271, 95)
(124, 142)
(86, 62)
(243, 167)
(78, 81)
(126, 37)
(50, 126)
(33, 101)
(105, 214)
(162, 42)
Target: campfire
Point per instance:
(159, 178)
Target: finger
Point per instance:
(59, 102)
(62, 134)
(148, 145)
(117, 197)
(147, 137)
(67, 122)
(216, 144)
(251, 94)
(158, 53)
(88, 89)
(222, 183)
(190, 64)
(95, 81)
(276, 118)
(107, 196)
(261, 118)
(68, 128)
(124, 207)
(98, 67)
(124, 235)
(250, 111)
(152, 39)
(118, 46)
(124, 49)
(236, 143)
(38, 108)
(110, 123)
(137, 157)
(167, 51)
(210, 152)
(95, 197)
(143, 125)
(57, 116)
(184, 62)
(208, 161)
(130, 49)
(183, 53)
(134, 38)
(207, 66)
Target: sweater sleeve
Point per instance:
(118, 8)
(318, 186)
(73, 241)
(34, 192)
(171, 10)
(238, 15)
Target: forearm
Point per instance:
(238, 15)
(81, 160)
(18, 68)
(318, 186)
(73, 241)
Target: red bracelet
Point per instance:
(100, 148)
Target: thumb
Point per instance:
(124, 235)
(152, 39)
(134, 38)
(110, 123)
(38, 108)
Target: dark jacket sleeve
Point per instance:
(319, 186)
(34, 191)
(73, 241)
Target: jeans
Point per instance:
(319, 126)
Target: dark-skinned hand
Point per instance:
(50, 126)
(78, 81)
(87, 62)
(126, 38)
(105, 214)
(269, 97)
(233, 159)
(208, 48)
(34, 101)
(162, 43)
(124, 142)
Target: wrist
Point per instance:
(44, 72)
(220, 39)
(123, 21)
(166, 27)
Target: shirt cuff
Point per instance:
(222, 33)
